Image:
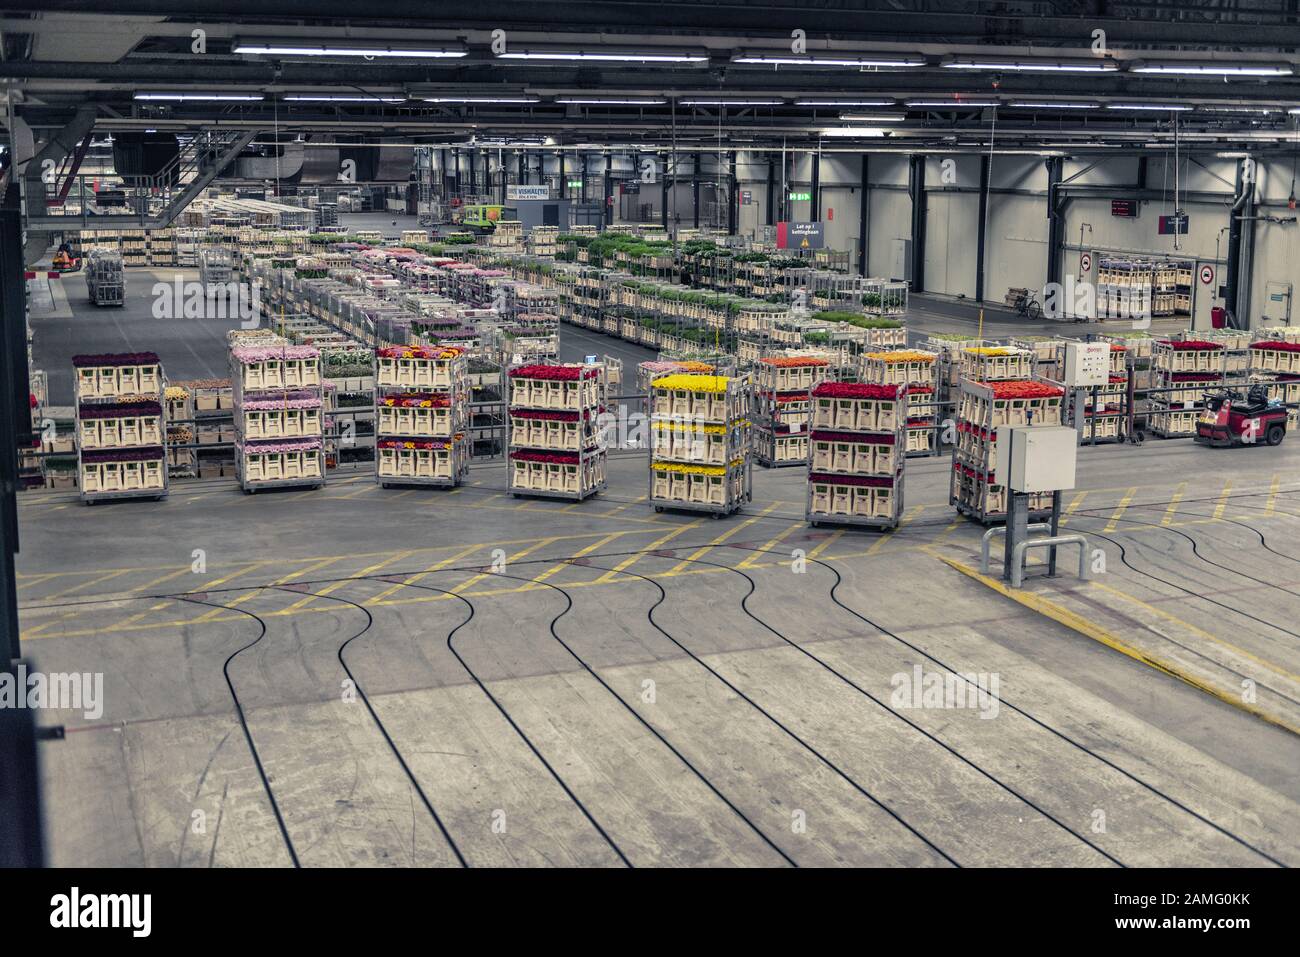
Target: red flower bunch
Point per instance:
(566, 373)
(551, 458)
(855, 390)
(1190, 345)
(1023, 389)
(423, 444)
(150, 454)
(869, 481)
(1194, 377)
(416, 400)
(545, 415)
(920, 390)
(857, 438)
(1278, 345)
(117, 359)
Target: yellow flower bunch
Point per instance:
(686, 427)
(990, 351)
(902, 355)
(176, 393)
(693, 383)
(689, 469)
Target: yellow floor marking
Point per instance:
(835, 536)
(29, 580)
(615, 511)
(211, 614)
(1200, 631)
(94, 581)
(335, 586)
(719, 540)
(1073, 506)
(306, 569)
(1173, 504)
(1223, 500)
(880, 542)
(586, 551)
(1272, 495)
(162, 578)
(1120, 509)
(1074, 622)
(513, 558)
(653, 546)
(754, 556)
(379, 599)
(360, 491)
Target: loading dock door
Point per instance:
(551, 214)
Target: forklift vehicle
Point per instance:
(64, 261)
(1229, 421)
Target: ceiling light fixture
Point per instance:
(854, 131)
(732, 102)
(1051, 105)
(843, 103)
(1150, 107)
(339, 98)
(1210, 68)
(479, 100)
(612, 101)
(951, 104)
(610, 54)
(1011, 65)
(897, 117)
(831, 58)
(200, 97)
(361, 48)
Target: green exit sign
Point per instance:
(575, 184)
(801, 197)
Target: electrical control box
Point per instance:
(1039, 458)
(1087, 364)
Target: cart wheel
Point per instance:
(1275, 434)
(815, 524)
(514, 495)
(249, 491)
(715, 515)
(659, 508)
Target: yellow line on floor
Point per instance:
(719, 540)
(754, 556)
(1223, 500)
(653, 546)
(306, 569)
(1173, 503)
(1120, 509)
(586, 551)
(335, 586)
(94, 581)
(379, 599)
(211, 614)
(1077, 623)
(835, 536)
(513, 558)
(880, 542)
(1215, 639)
(1073, 506)
(1272, 495)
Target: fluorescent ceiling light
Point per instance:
(854, 131)
(951, 104)
(1210, 68)
(361, 48)
(1030, 66)
(831, 58)
(472, 100)
(1051, 105)
(896, 117)
(843, 103)
(732, 102)
(612, 101)
(1150, 107)
(1242, 109)
(209, 97)
(665, 55)
(340, 98)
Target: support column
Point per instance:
(1055, 219)
(864, 209)
(609, 189)
(1241, 235)
(564, 179)
(732, 198)
(983, 224)
(815, 197)
(523, 168)
(15, 411)
(916, 190)
(771, 190)
(695, 190)
(667, 163)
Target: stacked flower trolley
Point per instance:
(121, 451)
(556, 449)
(421, 414)
(279, 413)
(700, 455)
(856, 454)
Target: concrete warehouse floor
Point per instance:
(644, 688)
(568, 711)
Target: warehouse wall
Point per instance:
(951, 224)
(889, 216)
(1276, 272)
(1015, 253)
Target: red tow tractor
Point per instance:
(1229, 421)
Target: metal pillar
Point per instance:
(732, 198)
(916, 190)
(771, 190)
(564, 179)
(609, 189)
(1241, 234)
(695, 190)
(814, 195)
(523, 168)
(665, 193)
(15, 410)
(864, 208)
(1055, 219)
(983, 223)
